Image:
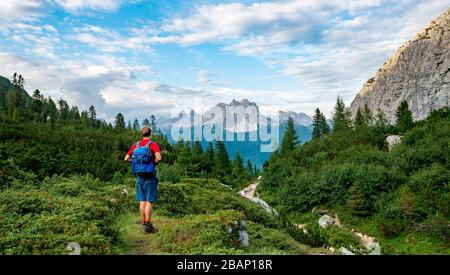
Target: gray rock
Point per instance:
(325, 221)
(264, 205)
(393, 140)
(375, 249)
(419, 72)
(345, 251)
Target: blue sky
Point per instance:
(159, 57)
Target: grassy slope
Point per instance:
(193, 216)
(200, 225)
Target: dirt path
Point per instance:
(135, 242)
(249, 191)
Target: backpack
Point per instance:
(141, 159)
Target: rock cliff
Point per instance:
(419, 72)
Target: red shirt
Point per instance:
(153, 147)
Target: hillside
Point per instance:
(399, 196)
(419, 72)
(195, 217)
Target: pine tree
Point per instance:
(341, 117)
(290, 139)
(63, 108)
(222, 163)
(119, 123)
(197, 157)
(249, 169)
(184, 157)
(380, 119)
(404, 120)
(237, 170)
(92, 115)
(367, 114)
(52, 112)
(360, 121)
(146, 123)
(356, 202)
(129, 127)
(210, 158)
(320, 125)
(136, 125)
(85, 119)
(407, 200)
(153, 123)
(75, 114)
(37, 104)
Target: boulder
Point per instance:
(374, 248)
(393, 140)
(325, 221)
(264, 205)
(345, 251)
(319, 211)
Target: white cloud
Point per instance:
(80, 82)
(330, 47)
(11, 10)
(77, 6)
(106, 40)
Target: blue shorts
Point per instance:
(147, 188)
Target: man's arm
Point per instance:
(127, 158)
(158, 157)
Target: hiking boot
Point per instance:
(149, 228)
(146, 226)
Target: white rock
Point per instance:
(264, 205)
(345, 251)
(374, 248)
(393, 140)
(325, 221)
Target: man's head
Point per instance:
(146, 131)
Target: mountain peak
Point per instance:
(419, 72)
(244, 103)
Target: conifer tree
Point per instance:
(222, 163)
(92, 116)
(404, 120)
(341, 117)
(290, 139)
(360, 121)
(320, 125)
(210, 158)
(119, 123)
(136, 125)
(356, 202)
(197, 157)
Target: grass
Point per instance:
(202, 234)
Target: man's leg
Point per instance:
(142, 208)
(148, 211)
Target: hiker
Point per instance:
(144, 155)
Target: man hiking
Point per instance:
(144, 155)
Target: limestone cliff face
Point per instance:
(419, 72)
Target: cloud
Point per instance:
(80, 81)
(12, 10)
(79, 6)
(329, 47)
(106, 40)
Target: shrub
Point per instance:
(357, 203)
(168, 173)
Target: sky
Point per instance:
(160, 57)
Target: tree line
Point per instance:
(49, 137)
